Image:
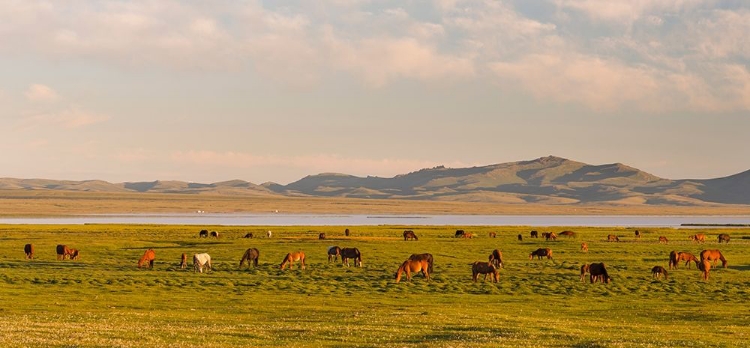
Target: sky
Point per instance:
(207, 91)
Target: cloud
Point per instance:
(626, 12)
(69, 118)
(41, 93)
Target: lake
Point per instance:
(360, 220)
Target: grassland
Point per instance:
(104, 300)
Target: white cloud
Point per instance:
(41, 93)
(629, 11)
(68, 118)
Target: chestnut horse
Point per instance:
(29, 250)
(539, 253)
(698, 238)
(251, 255)
(687, 257)
(494, 234)
(351, 253)
(658, 271)
(291, 257)
(584, 247)
(598, 272)
(148, 257)
(613, 238)
(200, 261)
(549, 235)
(724, 238)
(485, 268)
(413, 266)
(705, 268)
(673, 259)
(333, 253)
(409, 234)
(663, 239)
(496, 258)
(183, 261)
(74, 254)
(426, 257)
(568, 234)
(63, 251)
(468, 235)
(713, 255)
(584, 269)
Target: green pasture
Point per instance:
(103, 300)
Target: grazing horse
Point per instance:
(203, 234)
(534, 234)
(584, 247)
(214, 234)
(541, 252)
(321, 235)
(251, 255)
(673, 262)
(496, 258)
(613, 238)
(663, 239)
(459, 233)
(584, 269)
(698, 238)
(249, 235)
(183, 261)
(409, 234)
(269, 234)
(494, 234)
(713, 255)
(637, 234)
(426, 257)
(723, 238)
(468, 235)
(148, 257)
(705, 267)
(63, 251)
(29, 250)
(520, 238)
(657, 272)
(568, 234)
(200, 261)
(485, 268)
(346, 232)
(351, 253)
(549, 235)
(687, 257)
(598, 272)
(413, 266)
(74, 254)
(333, 253)
(291, 257)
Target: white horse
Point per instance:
(268, 234)
(200, 260)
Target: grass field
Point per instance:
(104, 300)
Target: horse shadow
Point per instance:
(740, 267)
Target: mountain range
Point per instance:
(546, 180)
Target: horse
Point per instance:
(494, 234)
(333, 253)
(426, 257)
(409, 234)
(673, 262)
(183, 261)
(148, 257)
(534, 234)
(549, 235)
(414, 266)
(705, 267)
(687, 257)
(568, 234)
(539, 253)
(62, 251)
(249, 235)
(268, 234)
(251, 255)
(203, 234)
(351, 253)
(28, 249)
(459, 233)
(496, 258)
(74, 254)
(201, 260)
(485, 268)
(584, 269)
(584, 247)
(346, 232)
(657, 272)
(613, 238)
(321, 235)
(713, 255)
(468, 235)
(663, 239)
(291, 257)
(698, 238)
(637, 234)
(598, 271)
(723, 238)
(520, 238)
(214, 234)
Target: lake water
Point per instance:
(360, 220)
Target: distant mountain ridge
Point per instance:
(548, 180)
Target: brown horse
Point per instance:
(534, 234)
(29, 250)
(687, 257)
(459, 233)
(568, 234)
(409, 234)
(549, 235)
(351, 253)
(485, 268)
(637, 234)
(705, 268)
(658, 271)
(584, 247)
(541, 252)
(333, 253)
(673, 259)
(598, 272)
(291, 257)
(251, 255)
(214, 234)
(74, 254)
(62, 251)
(249, 235)
(321, 235)
(584, 269)
(426, 257)
(663, 239)
(698, 238)
(203, 234)
(494, 234)
(183, 261)
(413, 266)
(468, 235)
(613, 238)
(713, 255)
(520, 238)
(148, 257)
(496, 258)
(346, 232)
(723, 238)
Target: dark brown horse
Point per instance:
(687, 257)
(541, 252)
(637, 234)
(291, 257)
(148, 257)
(351, 253)
(63, 251)
(249, 235)
(251, 255)
(321, 235)
(496, 258)
(568, 234)
(658, 271)
(214, 234)
(485, 268)
(713, 255)
(426, 257)
(29, 250)
(534, 234)
(333, 253)
(673, 262)
(724, 238)
(459, 233)
(409, 234)
(203, 234)
(520, 238)
(346, 232)
(183, 261)
(598, 272)
(413, 266)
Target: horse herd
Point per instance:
(423, 263)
